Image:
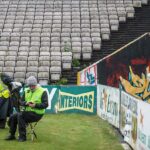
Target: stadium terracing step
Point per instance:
(127, 32)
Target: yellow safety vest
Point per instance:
(4, 91)
(34, 97)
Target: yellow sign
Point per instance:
(69, 101)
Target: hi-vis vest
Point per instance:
(4, 91)
(34, 97)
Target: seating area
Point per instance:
(42, 37)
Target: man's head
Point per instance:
(6, 78)
(31, 82)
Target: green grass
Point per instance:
(67, 132)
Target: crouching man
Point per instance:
(35, 101)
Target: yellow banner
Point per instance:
(83, 101)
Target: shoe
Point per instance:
(10, 137)
(21, 139)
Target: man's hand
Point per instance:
(30, 104)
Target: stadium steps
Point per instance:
(128, 31)
(70, 75)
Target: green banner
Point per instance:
(53, 95)
(80, 99)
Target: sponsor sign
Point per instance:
(77, 99)
(53, 95)
(108, 104)
(143, 131)
(88, 76)
(128, 124)
(83, 101)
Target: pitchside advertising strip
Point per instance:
(129, 114)
(83, 101)
(80, 99)
(53, 95)
(135, 123)
(108, 104)
(71, 99)
(143, 130)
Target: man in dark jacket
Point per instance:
(5, 102)
(35, 101)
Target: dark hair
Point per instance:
(6, 79)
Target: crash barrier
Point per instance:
(128, 69)
(127, 113)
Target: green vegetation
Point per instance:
(84, 66)
(62, 81)
(75, 63)
(67, 132)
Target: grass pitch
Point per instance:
(67, 132)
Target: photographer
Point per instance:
(5, 100)
(35, 101)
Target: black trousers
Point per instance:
(22, 119)
(3, 111)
